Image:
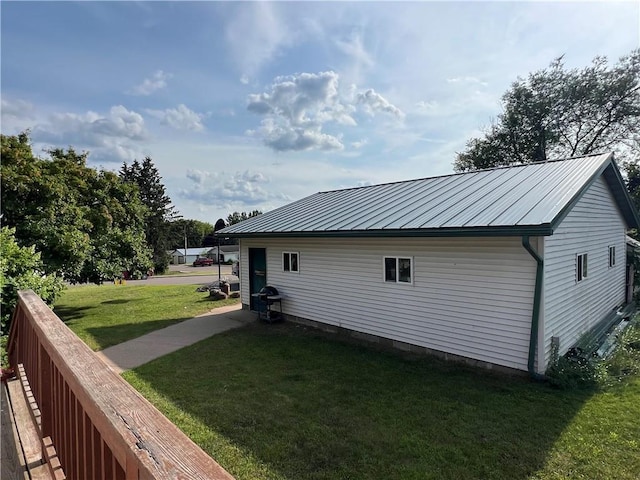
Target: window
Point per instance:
(398, 269)
(290, 262)
(581, 267)
(612, 256)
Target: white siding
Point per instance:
(471, 297)
(572, 308)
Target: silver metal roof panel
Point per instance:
(523, 199)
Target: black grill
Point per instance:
(269, 295)
(267, 291)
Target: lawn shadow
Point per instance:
(118, 301)
(108, 336)
(308, 405)
(66, 313)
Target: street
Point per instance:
(186, 275)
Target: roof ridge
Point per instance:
(502, 167)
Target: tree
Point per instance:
(160, 211)
(559, 113)
(237, 217)
(87, 224)
(21, 268)
(195, 232)
(210, 240)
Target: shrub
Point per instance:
(21, 268)
(574, 370)
(625, 360)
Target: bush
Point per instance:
(625, 360)
(20, 269)
(576, 371)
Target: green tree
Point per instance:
(87, 224)
(160, 210)
(559, 112)
(22, 268)
(237, 217)
(194, 230)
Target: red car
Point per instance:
(202, 262)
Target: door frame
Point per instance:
(252, 276)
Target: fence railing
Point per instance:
(100, 427)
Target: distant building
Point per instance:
(179, 256)
(228, 253)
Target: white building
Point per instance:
(228, 253)
(180, 255)
(490, 266)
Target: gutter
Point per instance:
(535, 315)
(502, 231)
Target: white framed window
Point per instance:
(291, 262)
(581, 267)
(612, 256)
(398, 269)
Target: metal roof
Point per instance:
(528, 199)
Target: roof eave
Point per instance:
(502, 231)
(609, 170)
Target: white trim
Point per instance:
(397, 270)
(582, 267)
(297, 254)
(612, 256)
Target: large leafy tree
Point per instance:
(87, 224)
(559, 112)
(160, 211)
(194, 231)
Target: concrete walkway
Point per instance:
(136, 352)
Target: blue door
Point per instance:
(257, 274)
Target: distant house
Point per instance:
(228, 253)
(180, 256)
(493, 266)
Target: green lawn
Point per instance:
(109, 314)
(285, 402)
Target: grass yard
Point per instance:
(285, 402)
(105, 315)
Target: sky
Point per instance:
(245, 106)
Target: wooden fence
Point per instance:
(99, 426)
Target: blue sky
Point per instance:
(247, 106)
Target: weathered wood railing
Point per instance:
(100, 427)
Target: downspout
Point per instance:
(535, 315)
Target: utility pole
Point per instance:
(220, 224)
(185, 242)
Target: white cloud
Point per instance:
(374, 102)
(110, 137)
(244, 79)
(425, 107)
(360, 143)
(297, 108)
(214, 188)
(157, 81)
(16, 108)
(255, 35)
(355, 49)
(285, 137)
(201, 177)
(467, 80)
(180, 118)
(17, 115)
